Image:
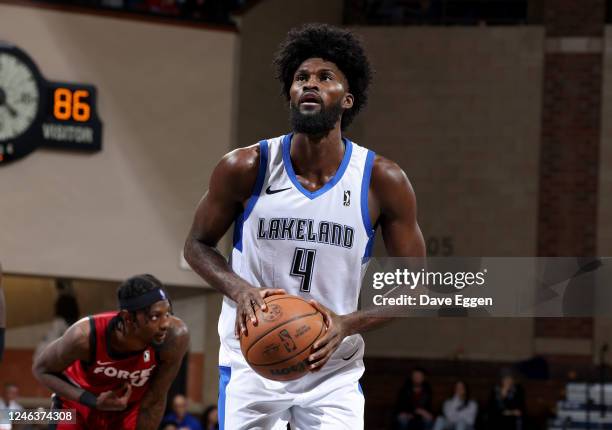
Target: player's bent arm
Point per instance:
(393, 203)
(231, 184)
(394, 200)
(58, 355)
(171, 356)
(397, 205)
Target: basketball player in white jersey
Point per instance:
(304, 206)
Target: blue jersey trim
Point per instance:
(261, 176)
(225, 373)
(360, 389)
(348, 149)
(237, 239)
(365, 187)
(367, 254)
(365, 210)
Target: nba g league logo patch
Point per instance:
(347, 198)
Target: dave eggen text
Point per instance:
(425, 300)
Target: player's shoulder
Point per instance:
(83, 326)
(107, 315)
(387, 172)
(98, 322)
(390, 185)
(178, 341)
(247, 159)
(94, 324)
(179, 327)
(241, 160)
(78, 334)
(236, 173)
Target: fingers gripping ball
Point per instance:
(279, 345)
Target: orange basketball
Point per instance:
(279, 345)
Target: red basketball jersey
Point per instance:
(109, 370)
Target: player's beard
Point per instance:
(315, 123)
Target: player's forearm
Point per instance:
(208, 262)
(56, 384)
(151, 413)
(172, 354)
(362, 321)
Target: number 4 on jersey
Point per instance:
(303, 265)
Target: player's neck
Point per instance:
(318, 155)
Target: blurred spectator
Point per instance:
(66, 314)
(413, 408)
(459, 412)
(212, 11)
(66, 305)
(179, 415)
(9, 397)
(506, 404)
(162, 7)
(169, 425)
(210, 418)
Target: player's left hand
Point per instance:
(324, 347)
(114, 400)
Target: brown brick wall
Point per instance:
(574, 17)
(569, 155)
(604, 245)
(573, 328)
(569, 151)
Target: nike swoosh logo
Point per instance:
(270, 191)
(104, 363)
(351, 356)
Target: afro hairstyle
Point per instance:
(333, 44)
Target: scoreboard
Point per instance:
(36, 113)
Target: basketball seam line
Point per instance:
(296, 354)
(272, 329)
(283, 297)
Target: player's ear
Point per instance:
(348, 101)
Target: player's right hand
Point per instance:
(247, 301)
(114, 400)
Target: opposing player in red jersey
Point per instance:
(115, 368)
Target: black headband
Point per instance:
(143, 301)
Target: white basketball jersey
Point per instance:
(311, 244)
